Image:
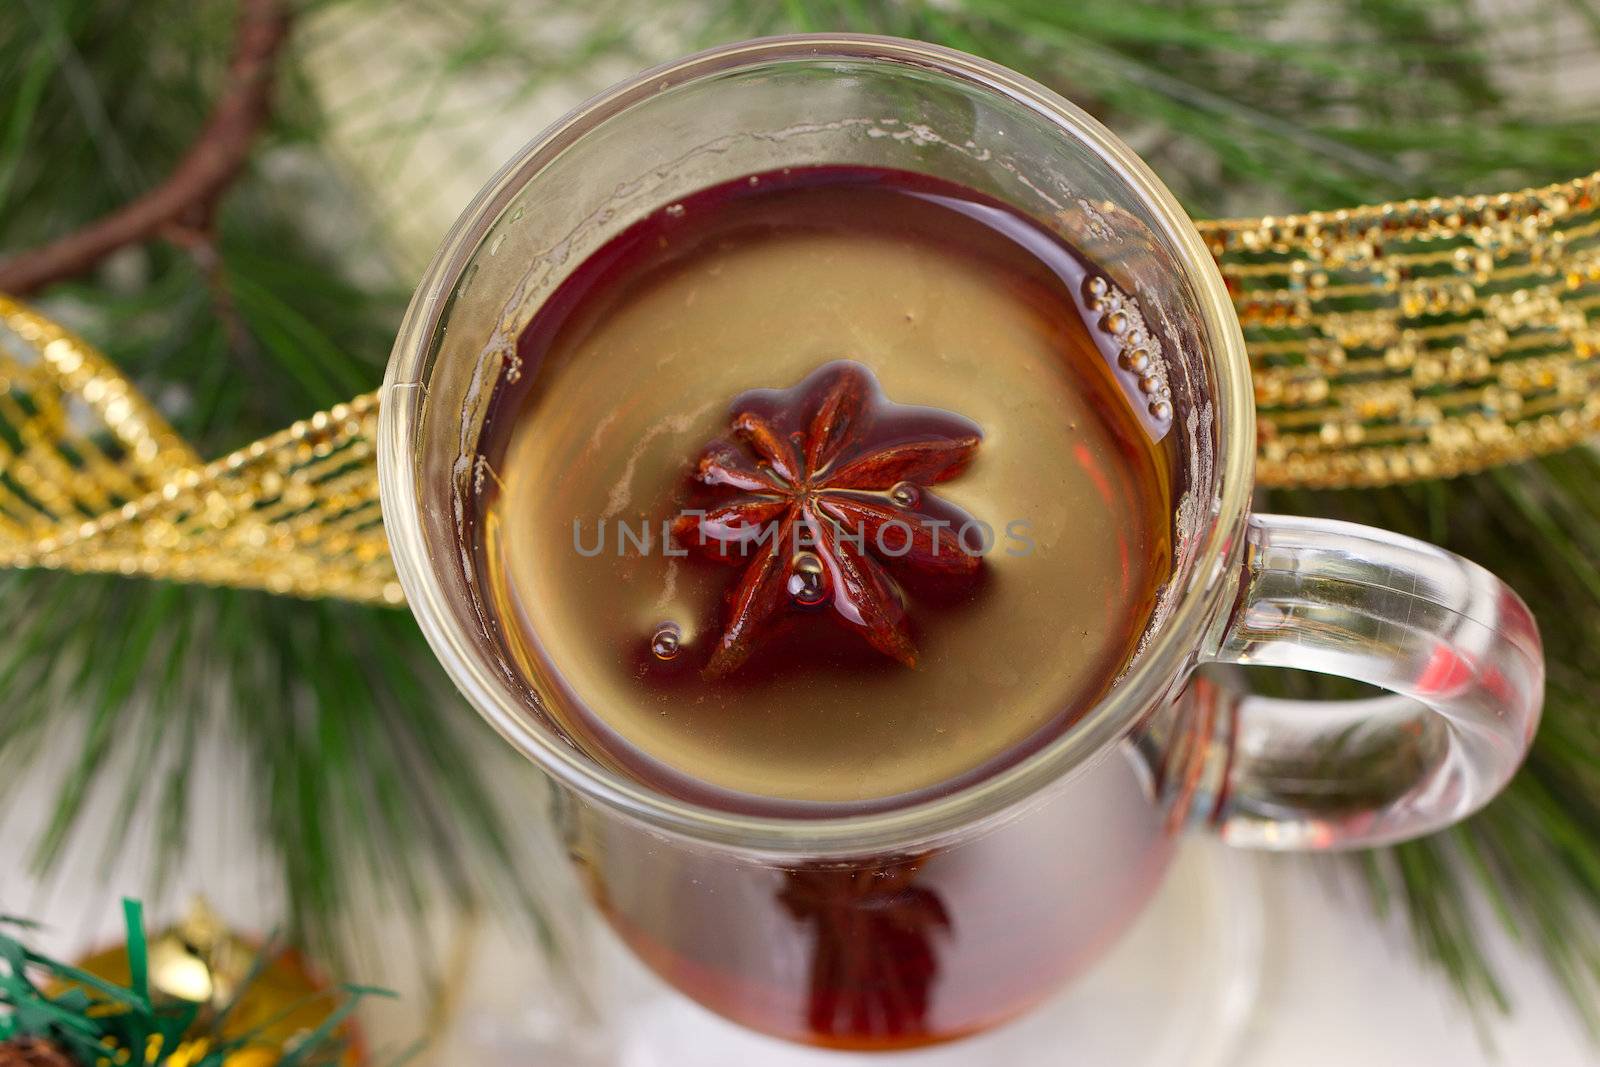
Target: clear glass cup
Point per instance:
(931, 921)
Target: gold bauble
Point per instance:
(201, 960)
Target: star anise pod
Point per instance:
(829, 484)
(875, 958)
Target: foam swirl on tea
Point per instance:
(826, 489)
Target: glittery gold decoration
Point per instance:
(92, 479)
(1419, 339)
(1389, 342)
(201, 960)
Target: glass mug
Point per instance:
(932, 921)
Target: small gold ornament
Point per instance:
(202, 961)
(1389, 342)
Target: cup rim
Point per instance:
(1169, 654)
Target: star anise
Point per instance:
(829, 483)
(878, 934)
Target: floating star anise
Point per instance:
(829, 483)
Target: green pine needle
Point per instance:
(366, 766)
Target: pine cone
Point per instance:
(33, 1052)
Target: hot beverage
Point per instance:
(765, 464)
(826, 487)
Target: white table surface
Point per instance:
(1335, 987)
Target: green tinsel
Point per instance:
(93, 1020)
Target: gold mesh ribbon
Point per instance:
(1419, 339)
(92, 479)
(1390, 342)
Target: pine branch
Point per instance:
(187, 198)
(365, 766)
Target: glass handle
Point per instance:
(1457, 648)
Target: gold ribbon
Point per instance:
(92, 479)
(1419, 339)
(1388, 343)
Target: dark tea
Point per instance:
(821, 492)
(940, 301)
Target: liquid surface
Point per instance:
(640, 360)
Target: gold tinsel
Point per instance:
(1389, 342)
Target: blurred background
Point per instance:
(304, 767)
